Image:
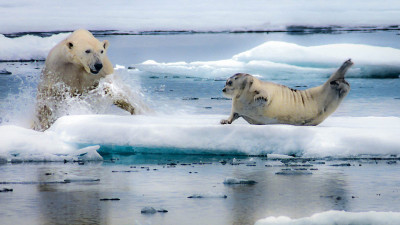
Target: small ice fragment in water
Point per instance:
(3, 160)
(275, 164)
(5, 72)
(6, 190)
(78, 179)
(148, 209)
(230, 180)
(341, 164)
(207, 196)
(293, 172)
(190, 98)
(162, 210)
(307, 164)
(110, 199)
(278, 156)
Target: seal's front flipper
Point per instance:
(232, 117)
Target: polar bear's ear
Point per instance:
(70, 45)
(106, 44)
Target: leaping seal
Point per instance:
(260, 102)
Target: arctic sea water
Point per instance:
(348, 163)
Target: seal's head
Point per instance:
(236, 84)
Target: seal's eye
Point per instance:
(101, 51)
(88, 51)
(236, 78)
(229, 83)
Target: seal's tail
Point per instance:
(339, 74)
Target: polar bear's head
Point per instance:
(236, 84)
(84, 49)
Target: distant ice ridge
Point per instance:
(199, 15)
(336, 217)
(287, 60)
(202, 134)
(273, 59)
(28, 47)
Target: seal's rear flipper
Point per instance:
(339, 74)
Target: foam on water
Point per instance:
(336, 217)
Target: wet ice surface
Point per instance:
(166, 182)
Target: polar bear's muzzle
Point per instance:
(95, 69)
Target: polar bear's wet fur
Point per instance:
(74, 67)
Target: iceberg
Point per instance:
(283, 60)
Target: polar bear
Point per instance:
(74, 67)
(260, 102)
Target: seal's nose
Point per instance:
(224, 90)
(98, 66)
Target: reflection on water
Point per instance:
(63, 204)
(160, 183)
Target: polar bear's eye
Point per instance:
(88, 51)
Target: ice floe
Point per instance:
(283, 60)
(199, 134)
(336, 217)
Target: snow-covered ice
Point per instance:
(28, 47)
(202, 134)
(336, 217)
(25, 145)
(285, 59)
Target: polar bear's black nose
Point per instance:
(98, 66)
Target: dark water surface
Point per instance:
(155, 181)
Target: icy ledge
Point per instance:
(202, 134)
(24, 145)
(336, 217)
(198, 134)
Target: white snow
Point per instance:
(200, 134)
(20, 145)
(336, 217)
(28, 47)
(337, 136)
(286, 60)
(198, 15)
